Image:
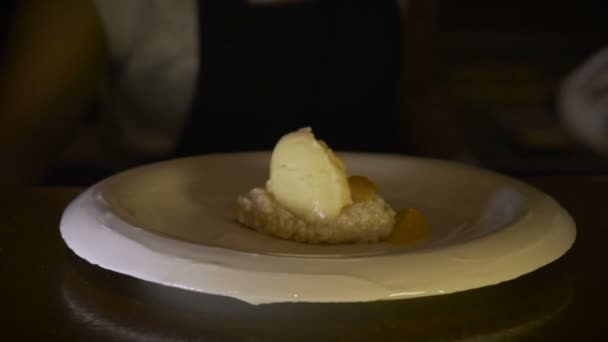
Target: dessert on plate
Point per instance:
(310, 198)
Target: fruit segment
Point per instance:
(361, 188)
(410, 226)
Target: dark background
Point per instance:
(6, 8)
(480, 80)
(502, 63)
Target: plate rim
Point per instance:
(80, 223)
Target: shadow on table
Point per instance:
(109, 305)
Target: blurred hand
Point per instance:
(583, 102)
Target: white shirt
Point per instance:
(153, 45)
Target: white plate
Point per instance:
(173, 223)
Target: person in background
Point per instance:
(99, 86)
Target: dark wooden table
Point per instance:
(49, 293)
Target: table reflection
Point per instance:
(120, 307)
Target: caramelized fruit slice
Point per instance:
(361, 188)
(410, 226)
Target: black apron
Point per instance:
(266, 70)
